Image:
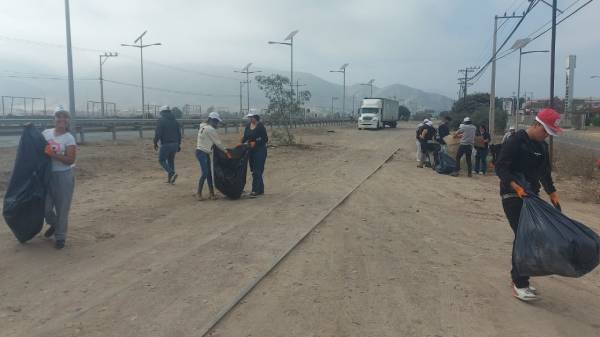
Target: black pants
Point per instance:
(427, 148)
(466, 150)
(512, 209)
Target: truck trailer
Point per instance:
(376, 113)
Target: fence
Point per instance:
(13, 127)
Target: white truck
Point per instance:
(376, 113)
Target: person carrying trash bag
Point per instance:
(208, 138)
(526, 155)
(62, 149)
(255, 134)
(168, 132)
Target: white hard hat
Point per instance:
(429, 123)
(165, 108)
(426, 120)
(215, 115)
(251, 114)
(467, 119)
(511, 128)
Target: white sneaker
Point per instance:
(524, 294)
(533, 289)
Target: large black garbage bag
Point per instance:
(230, 174)
(549, 243)
(26, 193)
(446, 164)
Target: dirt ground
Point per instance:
(409, 253)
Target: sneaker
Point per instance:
(469, 175)
(523, 294)
(59, 244)
(533, 289)
(481, 173)
(253, 195)
(173, 178)
(454, 174)
(420, 165)
(169, 176)
(49, 232)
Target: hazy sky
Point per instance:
(420, 43)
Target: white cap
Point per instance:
(429, 123)
(251, 114)
(426, 120)
(215, 115)
(165, 108)
(467, 119)
(60, 109)
(511, 128)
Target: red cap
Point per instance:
(550, 119)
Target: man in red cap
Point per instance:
(525, 160)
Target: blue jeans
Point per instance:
(166, 157)
(481, 160)
(204, 160)
(258, 156)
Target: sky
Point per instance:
(419, 43)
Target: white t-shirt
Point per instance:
(59, 145)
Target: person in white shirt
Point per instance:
(207, 139)
(62, 148)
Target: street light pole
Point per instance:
(343, 71)
(141, 46)
(521, 53)
(332, 99)
(370, 84)
(70, 67)
(290, 38)
(105, 56)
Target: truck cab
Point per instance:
(376, 113)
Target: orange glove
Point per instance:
(520, 191)
(49, 151)
(554, 200)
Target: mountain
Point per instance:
(193, 84)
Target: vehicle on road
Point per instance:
(376, 113)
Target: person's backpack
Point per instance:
(549, 243)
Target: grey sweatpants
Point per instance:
(58, 202)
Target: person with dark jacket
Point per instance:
(255, 134)
(443, 131)
(168, 133)
(523, 167)
(482, 150)
(466, 133)
(426, 137)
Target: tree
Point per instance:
(477, 106)
(403, 113)
(277, 90)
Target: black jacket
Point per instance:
(443, 131)
(168, 130)
(258, 135)
(525, 158)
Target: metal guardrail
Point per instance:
(14, 127)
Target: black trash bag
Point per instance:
(549, 243)
(446, 164)
(230, 174)
(25, 197)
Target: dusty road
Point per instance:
(410, 253)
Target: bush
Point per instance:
(596, 120)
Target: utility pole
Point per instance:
(246, 70)
(552, 68)
(141, 46)
(370, 84)
(105, 56)
(465, 79)
(332, 99)
(492, 114)
(343, 71)
(70, 68)
(241, 108)
(298, 85)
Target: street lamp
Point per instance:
(594, 76)
(141, 46)
(246, 70)
(333, 99)
(520, 44)
(105, 56)
(290, 38)
(343, 71)
(370, 84)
